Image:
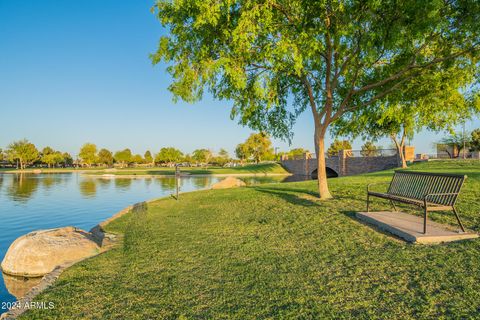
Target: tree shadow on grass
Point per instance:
(298, 197)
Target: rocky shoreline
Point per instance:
(108, 241)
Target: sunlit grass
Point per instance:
(274, 251)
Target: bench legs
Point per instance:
(425, 213)
(425, 219)
(458, 219)
(368, 202)
(393, 205)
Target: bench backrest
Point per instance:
(415, 185)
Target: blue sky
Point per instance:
(78, 71)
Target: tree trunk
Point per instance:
(400, 150)
(323, 191)
(402, 157)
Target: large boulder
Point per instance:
(229, 182)
(39, 252)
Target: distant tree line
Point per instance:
(22, 154)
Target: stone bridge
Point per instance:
(346, 163)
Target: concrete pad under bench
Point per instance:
(410, 227)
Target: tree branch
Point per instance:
(408, 68)
(316, 115)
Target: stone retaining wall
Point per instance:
(343, 164)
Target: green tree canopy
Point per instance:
(47, 151)
(338, 145)
(168, 156)
(475, 140)
(222, 157)
(242, 152)
(88, 154)
(369, 149)
(202, 156)
(51, 157)
(275, 59)
(453, 143)
(223, 153)
(22, 151)
(259, 147)
(67, 159)
(123, 157)
(105, 157)
(297, 152)
(148, 157)
(137, 158)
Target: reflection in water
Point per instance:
(19, 286)
(202, 183)
(51, 180)
(148, 181)
(167, 184)
(104, 183)
(88, 188)
(123, 183)
(22, 187)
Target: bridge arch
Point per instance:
(330, 173)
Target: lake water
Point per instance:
(31, 202)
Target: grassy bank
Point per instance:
(274, 251)
(262, 168)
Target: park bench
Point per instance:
(430, 191)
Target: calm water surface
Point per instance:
(31, 202)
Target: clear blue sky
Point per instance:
(78, 71)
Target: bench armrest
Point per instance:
(375, 183)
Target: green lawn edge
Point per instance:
(275, 251)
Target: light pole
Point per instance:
(464, 142)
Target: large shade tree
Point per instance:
(105, 157)
(123, 157)
(276, 58)
(22, 151)
(88, 154)
(169, 155)
(202, 156)
(51, 157)
(259, 147)
(148, 157)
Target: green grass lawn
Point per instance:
(274, 251)
(262, 168)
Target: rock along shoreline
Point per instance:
(49, 278)
(98, 231)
